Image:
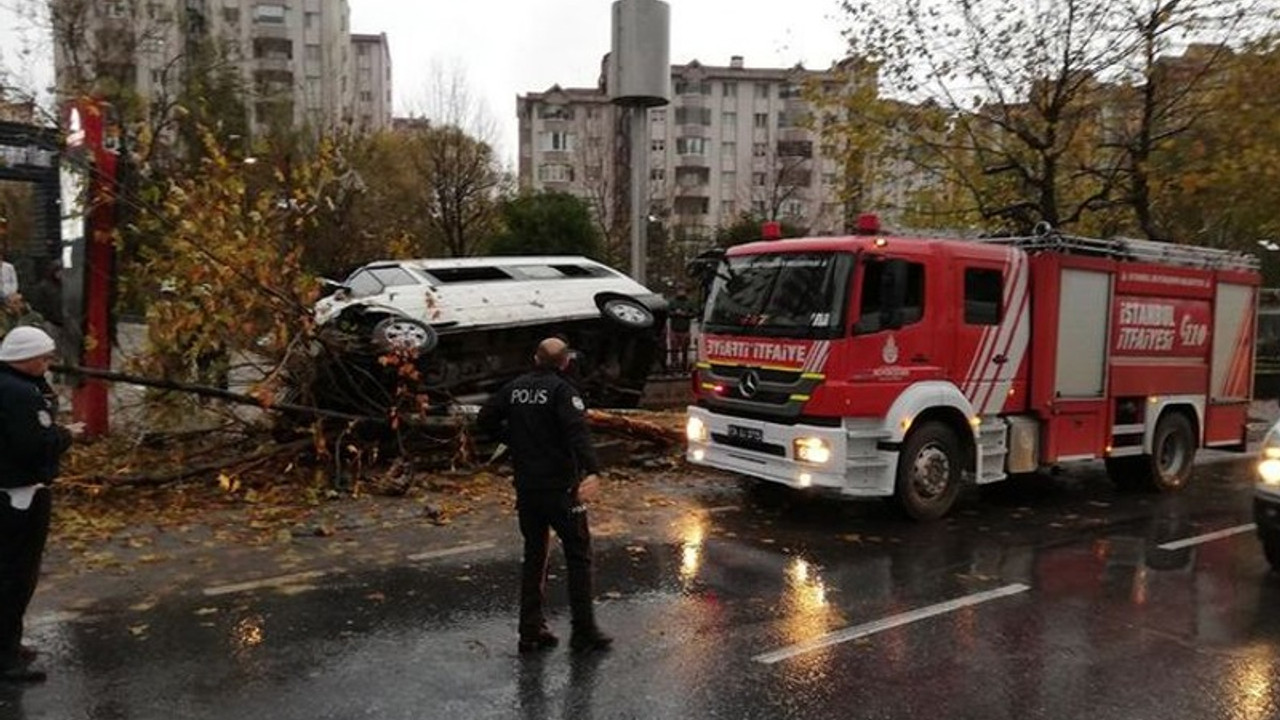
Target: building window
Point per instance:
(658, 145)
(362, 50)
(555, 172)
(728, 209)
(982, 291)
(658, 174)
(594, 143)
(312, 21)
(115, 9)
(728, 181)
(366, 96)
(593, 113)
(691, 87)
(762, 90)
(658, 116)
(555, 112)
(758, 208)
(730, 122)
(231, 15)
(796, 148)
(760, 120)
(313, 53)
(693, 116)
(731, 89)
(691, 146)
(557, 141)
(757, 179)
(793, 208)
(787, 90)
(829, 179)
(728, 149)
(269, 14)
(759, 150)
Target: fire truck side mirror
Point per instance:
(893, 292)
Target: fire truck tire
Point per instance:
(1173, 454)
(929, 472)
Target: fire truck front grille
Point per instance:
(734, 372)
(756, 445)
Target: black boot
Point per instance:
(544, 639)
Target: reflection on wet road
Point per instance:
(1114, 618)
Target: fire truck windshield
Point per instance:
(780, 295)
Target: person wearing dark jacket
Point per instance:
(31, 448)
(542, 420)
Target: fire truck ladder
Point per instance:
(1151, 251)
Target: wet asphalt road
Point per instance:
(1096, 621)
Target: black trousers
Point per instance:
(541, 512)
(22, 538)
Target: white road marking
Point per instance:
(263, 583)
(1207, 537)
(722, 509)
(871, 628)
(448, 552)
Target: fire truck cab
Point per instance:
(906, 367)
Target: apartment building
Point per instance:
(371, 104)
(734, 140)
(298, 60)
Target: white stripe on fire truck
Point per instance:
(999, 391)
(990, 336)
(817, 357)
(1238, 381)
(1004, 339)
(970, 386)
(1009, 324)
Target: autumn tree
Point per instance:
(1162, 94)
(1015, 83)
(453, 155)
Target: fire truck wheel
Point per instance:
(1173, 454)
(929, 471)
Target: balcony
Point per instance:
(275, 65)
(270, 31)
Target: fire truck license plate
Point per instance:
(737, 432)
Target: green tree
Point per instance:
(547, 223)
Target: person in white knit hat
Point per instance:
(31, 447)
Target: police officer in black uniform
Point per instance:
(31, 447)
(542, 419)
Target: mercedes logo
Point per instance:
(750, 384)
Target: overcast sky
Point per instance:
(509, 47)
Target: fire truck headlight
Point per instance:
(696, 430)
(1269, 468)
(812, 450)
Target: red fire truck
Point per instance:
(906, 367)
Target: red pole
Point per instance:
(90, 401)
